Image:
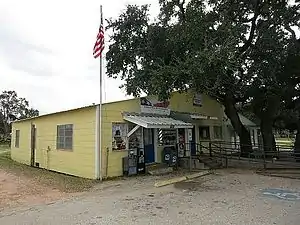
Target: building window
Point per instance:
(167, 137)
(17, 139)
(64, 137)
(218, 132)
(119, 134)
(204, 133)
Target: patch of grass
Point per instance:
(285, 142)
(55, 180)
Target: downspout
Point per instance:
(98, 145)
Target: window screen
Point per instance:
(64, 136)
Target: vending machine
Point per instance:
(141, 166)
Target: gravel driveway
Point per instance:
(20, 190)
(227, 197)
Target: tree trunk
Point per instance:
(266, 113)
(297, 144)
(240, 129)
(269, 143)
(5, 125)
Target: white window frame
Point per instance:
(58, 136)
(17, 139)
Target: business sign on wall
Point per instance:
(197, 100)
(153, 106)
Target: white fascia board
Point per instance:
(184, 126)
(199, 117)
(133, 130)
(137, 122)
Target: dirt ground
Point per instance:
(21, 191)
(227, 197)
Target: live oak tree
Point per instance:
(276, 102)
(274, 65)
(209, 46)
(289, 119)
(289, 112)
(187, 48)
(13, 107)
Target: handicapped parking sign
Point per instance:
(282, 194)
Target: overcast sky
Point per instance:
(46, 51)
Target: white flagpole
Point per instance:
(100, 107)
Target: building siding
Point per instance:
(23, 153)
(112, 113)
(181, 102)
(80, 161)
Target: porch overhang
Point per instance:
(191, 117)
(152, 121)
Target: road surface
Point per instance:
(227, 197)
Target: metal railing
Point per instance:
(281, 156)
(229, 154)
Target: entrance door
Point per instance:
(181, 142)
(149, 145)
(33, 141)
(193, 142)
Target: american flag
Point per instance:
(99, 45)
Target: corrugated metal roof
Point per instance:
(73, 109)
(191, 117)
(49, 114)
(149, 121)
(245, 121)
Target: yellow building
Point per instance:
(68, 141)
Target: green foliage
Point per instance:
(236, 51)
(13, 107)
(215, 51)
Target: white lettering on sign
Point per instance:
(153, 106)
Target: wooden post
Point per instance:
(265, 165)
(190, 156)
(226, 158)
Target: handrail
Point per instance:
(224, 152)
(231, 147)
(238, 144)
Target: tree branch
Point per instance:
(252, 30)
(247, 20)
(289, 29)
(181, 9)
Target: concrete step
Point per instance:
(154, 166)
(195, 163)
(160, 171)
(211, 162)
